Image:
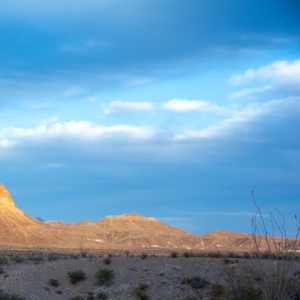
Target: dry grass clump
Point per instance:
(275, 255)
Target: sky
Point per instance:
(173, 109)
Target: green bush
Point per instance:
(105, 276)
(76, 276)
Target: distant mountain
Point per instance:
(128, 231)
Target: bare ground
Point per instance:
(135, 277)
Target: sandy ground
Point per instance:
(135, 277)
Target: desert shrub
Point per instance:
(77, 298)
(198, 282)
(83, 254)
(107, 260)
(102, 296)
(36, 257)
(275, 254)
(174, 254)
(90, 295)
(140, 292)
(242, 285)
(217, 292)
(76, 276)
(1, 270)
(59, 291)
(214, 254)
(226, 261)
(230, 261)
(187, 254)
(52, 256)
(246, 255)
(6, 296)
(17, 258)
(74, 256)
(3, 260)
(53, 282)
(105, 276)
(195, 282)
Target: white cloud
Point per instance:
(285, 72)
(250, 91)
(179, 105)
(120, 106)
(6, 144)
(81, 130)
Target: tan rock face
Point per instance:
(5, 198)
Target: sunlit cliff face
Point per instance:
(5, 198)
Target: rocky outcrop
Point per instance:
(127, 231)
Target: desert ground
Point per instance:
(42, 275)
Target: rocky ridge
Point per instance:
(125, 232)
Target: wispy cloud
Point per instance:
(223, 213)
(236, 119)
(120, 106)
(250, 91)
(179, 105)
(84, 47)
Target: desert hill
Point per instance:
(128, 231)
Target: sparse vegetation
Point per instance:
(195, 282)
(3, 260)
(174, 254)
(105, 276)
(217, 292)
(102, 296)
(36, 257)
(141, 292)
(76, 276)
(77, 298)
(242, 285)
(275, 254)
(187, 254)
(17, 258)
(6, 296)
(53, 282)
(52, 256)
(107, 260)
(58, 291)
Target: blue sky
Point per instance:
(171, 109)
